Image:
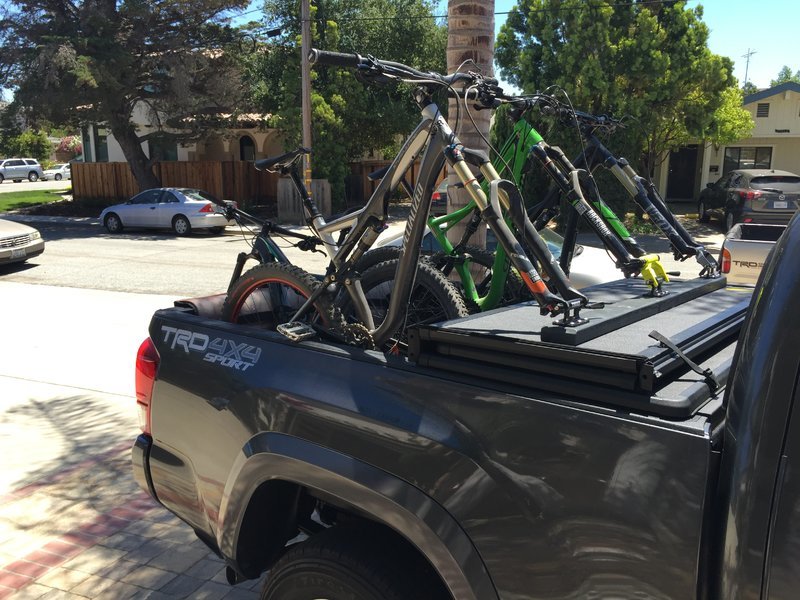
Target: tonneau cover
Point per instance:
(612, 359)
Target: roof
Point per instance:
(789, 86)
(764, 172)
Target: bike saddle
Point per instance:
(282, 162)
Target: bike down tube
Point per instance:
(432, 162)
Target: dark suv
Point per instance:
(751, 196)
(17, 169)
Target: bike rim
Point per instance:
(256, 304)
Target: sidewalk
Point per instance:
(73, 523)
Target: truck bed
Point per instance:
(585, 484)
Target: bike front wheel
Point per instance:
(433, 298)
(270, 294)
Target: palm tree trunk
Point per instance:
(470, 46)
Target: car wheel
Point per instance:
(355, 563)
(33, 176)
(181, 225)
(113, 223)
(702, 215)
(57, 177)
(730, 221)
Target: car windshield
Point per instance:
(200, 196)
(784, 183)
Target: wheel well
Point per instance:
(280, 511)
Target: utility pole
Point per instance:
(747, 64)
(305, 82)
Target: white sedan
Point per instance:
(58, 172)
(178, 209)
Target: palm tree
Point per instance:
(470, 46)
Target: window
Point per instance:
(147, 197)
(762, 110)
(163, 149)
(747, 158)
(101, 144)
(247, 148)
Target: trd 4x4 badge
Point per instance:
(221, 351)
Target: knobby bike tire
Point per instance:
(270, 294)
(514, 289)
(377, 255)
(433, 298)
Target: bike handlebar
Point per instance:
(336, 59)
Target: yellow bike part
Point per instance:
(653, 271)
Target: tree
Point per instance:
(646, 61)
(100, 60)
(784, 75)
(349, 119)
(28, 144)
(470, 39)
(749, 88)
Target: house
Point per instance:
(773, 144)
(248, 140)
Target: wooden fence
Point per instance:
(230, 180)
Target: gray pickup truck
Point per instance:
(651, 453)
(745, 250)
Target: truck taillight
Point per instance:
(726, 260)
(146, 368)
(436, 196)
(208, 208)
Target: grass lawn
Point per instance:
(14, 200)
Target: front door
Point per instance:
(682, 169)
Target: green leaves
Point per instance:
(648, 62)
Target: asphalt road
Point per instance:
(81, 254)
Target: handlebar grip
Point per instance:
(334, 59)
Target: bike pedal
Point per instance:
(296, 331)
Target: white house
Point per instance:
(248, 141)
(773, 144)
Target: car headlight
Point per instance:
(35, 235)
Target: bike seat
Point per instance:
(282, 162)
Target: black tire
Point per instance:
(269, 294)
(514, 290)
(702, 213)
(57, 177)
(433, 299)
(377, 255)
(730, 221)
(352, 564)
(33, 176)
(181, 225)
(113, 223)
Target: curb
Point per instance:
(48, 219)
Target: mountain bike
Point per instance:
(641, 190)
(320, 306)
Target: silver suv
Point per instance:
(17, 169)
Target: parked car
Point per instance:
(17, 169)
(751, 196)
(58, 172)
(179, 209)
(590, 266)
(439, 199)
(18, 242)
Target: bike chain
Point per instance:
(352, 334)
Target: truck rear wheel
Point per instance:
(350, 565)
